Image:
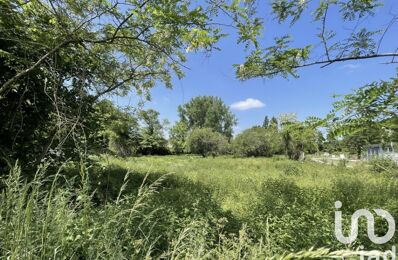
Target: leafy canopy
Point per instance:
(257, 141)
(205, 141)
(368, 115)
(178, 135)
(300, 137)
(59, 58)
(208, 112)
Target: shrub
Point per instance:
(257, 142)
(205, 141)
(379, 165)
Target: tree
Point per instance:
(208, 112)
(355, 144)
(287, 119)
(58, 58)
(257, 141)
(205, 141)
(178, 136)
(367, 116)
(336, 45)
(116, 131)
(152, 139)
(135, 42)
(373, 105)
(299, 138)
(273, 123)
(266, 122)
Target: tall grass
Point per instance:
(51, 218)
(291, 203)
(182, 208)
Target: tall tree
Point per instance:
(273, 123)
(152, 139)
(266, 122)
(300, 137)
(58, 58)
(208, 112)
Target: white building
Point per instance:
(380, 150)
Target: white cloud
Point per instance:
(249, 103)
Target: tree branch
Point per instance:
(324, 31)
(390, 24)
(63, 44)
(19, 75)
(336, 60)
(119, 84)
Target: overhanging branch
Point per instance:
(328, 62)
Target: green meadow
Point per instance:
(189, 207)
(235, 183)
(286, 205)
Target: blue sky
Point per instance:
(309, 95)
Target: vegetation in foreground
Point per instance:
(175, 207)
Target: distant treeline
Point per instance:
(205, 127)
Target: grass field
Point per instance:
(291, 201)
(236, 182)
(188, 207)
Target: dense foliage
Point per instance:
(258, 141)
(210, 112)
(59, 58)
(116, 131)
(178, 135)
(152, 139)
(126, 132)
(300, 138)
(205, 141)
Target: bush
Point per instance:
(257, 142)
(205, 141)
(379, 165)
